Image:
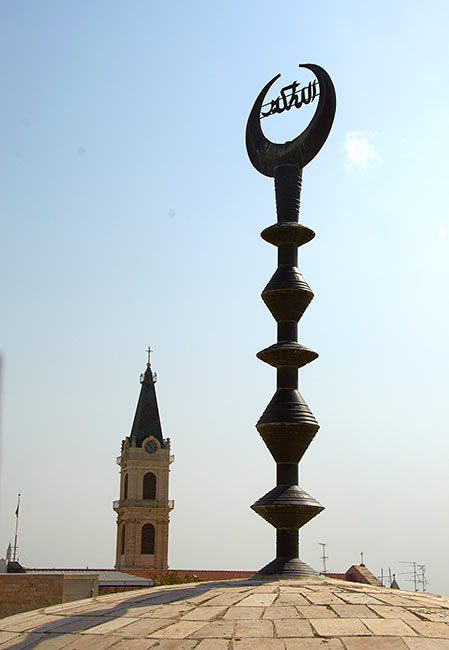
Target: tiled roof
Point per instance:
(106, 577)
(308, 613)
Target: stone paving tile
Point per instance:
(69, 608)
(258, 644)
(413, 643)
(48, 641)
(358, 599)
(22, 625)
(316, 611)
(432, 614)
(225, 599)
(392, 611)
(290, 597)
(23, 641)
(437, 630)
(7, 636)
(216, 629)
(435, 601)
(388, 627)
(203, 613)
(92, 609)
(169, 611)
(180, 630)
(199, 596)
(339, 627)
(168, 596)
(21, 616)
(395, 599)
(283, 611)
(371, 643)
(213, 644)
(257, 600)
(85, 642)
(202, 599)
(130, 644)
(143, 627)
(69, 624)
(359, 586)
(253, 629)
(265, 589)
(291, 627)
(418, 599)
(353, 611)
(91, 624)
(245, 613)
(135, 611)
(172, 644)
(313, 644)
(324, 598)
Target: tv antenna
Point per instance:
(324, 557)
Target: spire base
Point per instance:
(283, 568)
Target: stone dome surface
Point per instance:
(239, 615)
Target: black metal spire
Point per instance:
(287, 426)
(146, 420)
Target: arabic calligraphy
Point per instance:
(291, 96)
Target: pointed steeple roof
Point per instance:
(146, 420)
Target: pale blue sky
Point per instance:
(131, 215)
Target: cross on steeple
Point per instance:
(149, 351)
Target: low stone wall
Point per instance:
(79, 587)
(20, 592)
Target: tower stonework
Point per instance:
(143, 509)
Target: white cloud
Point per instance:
(359, 149)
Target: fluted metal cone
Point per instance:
(287, 232)
(287, 277)
(287, 354)
(287, 506)
(285, 569)
(287, 442)
(288, 405)
(287, 295)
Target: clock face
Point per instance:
(151, 446)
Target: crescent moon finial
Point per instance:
(266, 155)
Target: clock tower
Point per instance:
(143, 508)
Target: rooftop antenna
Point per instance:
(422, 568)
(324, 557)
(415, 578)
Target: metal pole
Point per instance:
(17, 528)
(324, 556)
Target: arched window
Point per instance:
(149, 486)
(147, 545)
(125, 487)
(123, 539)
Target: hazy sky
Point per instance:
(131, 216)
